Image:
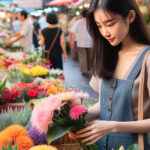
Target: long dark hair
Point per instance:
(104, 56)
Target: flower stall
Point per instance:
(33, 100)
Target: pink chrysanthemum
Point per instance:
(71, 95)
(54, 102)
(42, 116)
(77, 111)
(43, 113)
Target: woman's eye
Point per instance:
(111, 24)
(99, 27)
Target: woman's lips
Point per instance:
(111, 40)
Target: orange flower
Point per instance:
(55, 90)
(4, 139)
(24, 142)
(14, 131)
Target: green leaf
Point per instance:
(62, 121)
(4, 148)
(9, 146)
(56, 132)
(134, 147)
(15, 147)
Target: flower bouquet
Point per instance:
(56, 115)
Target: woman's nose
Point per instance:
(105, 32)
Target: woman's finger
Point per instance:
(72, 135)
(95, 140)
(84, 135)
(89, 139)
(85, 130)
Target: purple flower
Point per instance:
(36, 136)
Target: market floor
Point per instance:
(74, 79)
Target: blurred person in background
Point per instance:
(84, 43)
(52, 39)
(36, 32)
(16, 24)
(72, 24)
(43, 22)
(25, 35)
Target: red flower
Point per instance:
(8, 95)
(6, 63)
(62, 77)
(12, 60)
(23, 85)
(47, 62)
(32, 93)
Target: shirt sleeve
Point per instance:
(95, 83)
(25, 29)
(75, 26)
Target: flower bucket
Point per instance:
(13, 106)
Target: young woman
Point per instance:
(53, 34)
(121, 41)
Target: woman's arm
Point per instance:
(93, 112)
(97, 129)
(42, 41)
(141, 126)
(63, 46)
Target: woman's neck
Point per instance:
(130, 45)
(52, 26)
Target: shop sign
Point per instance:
(30, 3)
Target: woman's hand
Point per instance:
(65, 57)
(95, 130)
(72, 135)
(9, 44)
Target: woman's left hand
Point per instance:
(65, 57)
(95, 130)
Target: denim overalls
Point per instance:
(116, 105)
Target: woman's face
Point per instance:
(112, 27)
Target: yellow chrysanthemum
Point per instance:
(24, 142)
(38, 71)
(14, 131)
(43, 147)
(25, 70)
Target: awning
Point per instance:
(61, 2)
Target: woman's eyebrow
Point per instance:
(106, 21)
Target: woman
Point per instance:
(53, 34)
(121, 41)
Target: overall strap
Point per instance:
(137, 67)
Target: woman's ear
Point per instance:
(131, 16)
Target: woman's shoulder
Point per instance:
(95, 83)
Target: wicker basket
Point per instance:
(65, 143)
